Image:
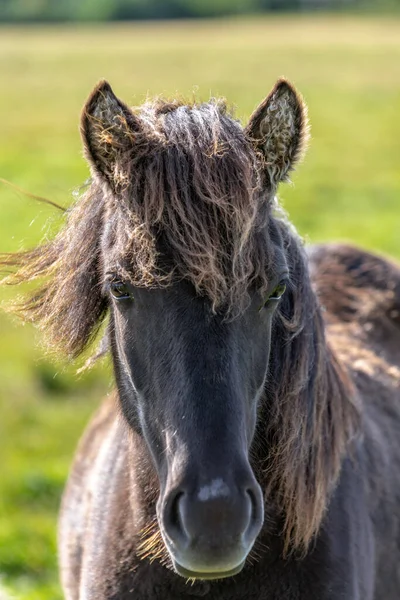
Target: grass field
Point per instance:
(348, 188)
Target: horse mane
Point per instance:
(311, 411)
(68, 304)
(195, 182)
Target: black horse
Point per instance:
(252, 448)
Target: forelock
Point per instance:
(196, 183)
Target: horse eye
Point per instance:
(277, 293)
(119, 289)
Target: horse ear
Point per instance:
(279, 129)
(108, 130)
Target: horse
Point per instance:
(251, 449)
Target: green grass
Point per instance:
(348, 188)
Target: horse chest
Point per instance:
(259, 582)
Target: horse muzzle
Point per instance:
(210, 528)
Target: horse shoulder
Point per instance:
(95, 467)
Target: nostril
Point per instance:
(256, 516)
(175, 515)
(253, 504)
(173, 519)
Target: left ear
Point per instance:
(279, 129)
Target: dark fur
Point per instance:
(167, 212)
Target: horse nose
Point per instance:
(209, 529)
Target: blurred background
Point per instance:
(343, 55)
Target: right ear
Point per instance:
(108, 129)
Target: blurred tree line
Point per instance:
(114, 10)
